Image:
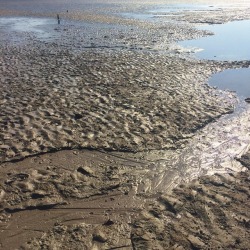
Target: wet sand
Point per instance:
(90, 200)
(114, 101)
(91, 127)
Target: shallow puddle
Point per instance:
(237, 80)
(173, 8)
(20, 28)
(167, 10)
(229, 42)
(26, 24)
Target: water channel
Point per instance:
(215, 148)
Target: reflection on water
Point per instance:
(19, 29)
(167, 10)
(214, 149)
(233, 79)
(183, 7)
(26, 24)
(230, 42)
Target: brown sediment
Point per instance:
(84, 199)
(116, 101)
(209, 213)
(94, 190)
(80, 92)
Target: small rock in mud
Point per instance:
(247, 100)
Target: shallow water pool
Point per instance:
(229, 42)
(167, 10)
(183, 7)
(42, 28)
(237, 80)
(25, 24)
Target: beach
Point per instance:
(111, 137)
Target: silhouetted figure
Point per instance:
(58, 19)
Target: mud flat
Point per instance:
(106, 134)
(208, 213)
(116, 101)
(92, 200)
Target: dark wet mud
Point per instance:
(111, 137)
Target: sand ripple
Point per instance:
(52, 99)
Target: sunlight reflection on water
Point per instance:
(230, 42)
(233, 79)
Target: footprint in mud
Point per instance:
(29, 190)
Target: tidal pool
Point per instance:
(172, 8)
(42, 28)
(26, 24)
(237, 80)
(167, 10)
(230, 42)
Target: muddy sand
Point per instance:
(111, 138)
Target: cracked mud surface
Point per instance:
(106, 131)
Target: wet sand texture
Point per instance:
(88, 200)
(87, 189)
(209, 213)
(87, 92)
(51, 99)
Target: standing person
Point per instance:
(58, 19)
